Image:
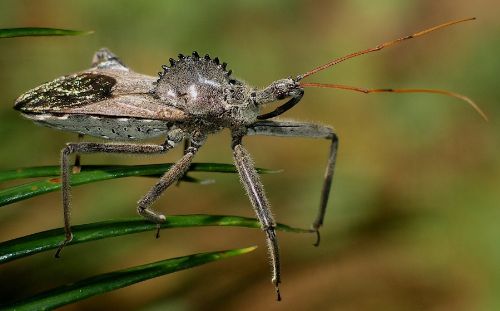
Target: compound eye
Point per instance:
(280, 95)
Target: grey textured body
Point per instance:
(194, 94)
(106, 127)
(108, 103)
(193, 97)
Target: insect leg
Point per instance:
(283, 108)
(171, 176)
(255, 191)
(86, 147)
(77, 167)
(187, 144)
(308, 130)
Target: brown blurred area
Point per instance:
(413, 218)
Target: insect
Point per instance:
(193, 97)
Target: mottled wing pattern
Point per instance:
(100, 92)
(66, 92)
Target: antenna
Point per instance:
(380, 47)
(368, 91)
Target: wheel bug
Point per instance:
(192, 98)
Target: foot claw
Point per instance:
(57, 254)
(318, 238)
(277, 288)
(157, 231)
(162, 219)
(61, 246)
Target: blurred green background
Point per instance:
(413, 219)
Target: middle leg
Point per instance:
(177, 171)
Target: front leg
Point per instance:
(255, 191)
(307, 130)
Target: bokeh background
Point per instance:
(413, 223)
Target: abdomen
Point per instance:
(105, 127)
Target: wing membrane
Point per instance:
(106, 92)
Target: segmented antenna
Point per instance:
(378, 48)
(368, 91)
